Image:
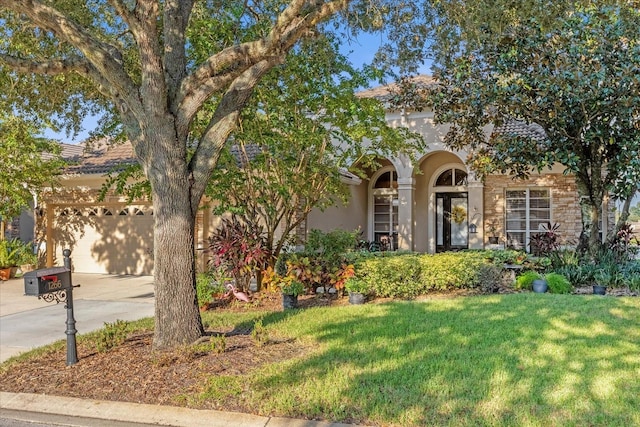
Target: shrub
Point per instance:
(393, 276)
(239, 249)
(490, 277)
(558, 284)
(410, 275)
(333, 243)
(631, 273)
(209, 284)
(450, 270)
(507, 256)
(525, 280)
(259, 334)
(575, 274)
(112, 335)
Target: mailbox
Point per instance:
(47, 280)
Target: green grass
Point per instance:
(501, 360)
(521, 359)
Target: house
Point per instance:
(434, 205)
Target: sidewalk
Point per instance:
(144, 414)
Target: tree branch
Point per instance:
(105, 58)
(222, 123)
(217, 71)
(51, 67)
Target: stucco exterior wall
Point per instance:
(350, 216)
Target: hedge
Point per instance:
(410, 275)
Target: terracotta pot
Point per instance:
(5, 273)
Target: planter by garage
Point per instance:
(540, 286)
(356, 298)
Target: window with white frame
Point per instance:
(385, 209)
(527, 210)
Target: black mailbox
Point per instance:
(47, 280)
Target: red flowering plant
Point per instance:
(239, 249)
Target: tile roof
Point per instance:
(103, 159)
(386, 93)
(521, 128)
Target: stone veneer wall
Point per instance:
(565, 206)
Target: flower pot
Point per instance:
(5, 273)
(356, 298)
(540, 286)
(289, 301)
(25, 268)
(599, 290)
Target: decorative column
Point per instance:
(406, 187)
(476, 212)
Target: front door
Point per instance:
(452, 222)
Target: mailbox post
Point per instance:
(54, 284)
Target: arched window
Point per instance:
(384, 203)
(451, 178)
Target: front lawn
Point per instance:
(520, 359)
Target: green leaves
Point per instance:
(29, 164)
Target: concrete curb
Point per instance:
(144, 413)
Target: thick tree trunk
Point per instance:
(177, 318)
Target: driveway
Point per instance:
(27, 322)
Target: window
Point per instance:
(527, 211)
(385, 209)
(451, 178)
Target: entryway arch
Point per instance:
(449, 189)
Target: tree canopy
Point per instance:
(29, 163)
(576, 79)
(304, 127)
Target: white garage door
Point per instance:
(107, 240)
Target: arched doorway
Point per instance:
(452, 207)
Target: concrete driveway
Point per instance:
(27, 322)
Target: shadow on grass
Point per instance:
(523, 359)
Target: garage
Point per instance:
(110, 239)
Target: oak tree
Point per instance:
(29, 164)
(158, 70)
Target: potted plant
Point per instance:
(605, 277)
(358, 290)
(27, 260)
(492, 232)
(531, 280)
(8, 253)
(290, 289)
